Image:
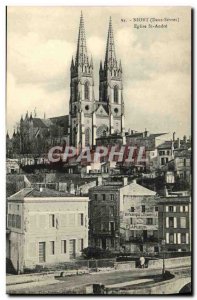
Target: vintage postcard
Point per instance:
(98, 150)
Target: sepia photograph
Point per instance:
(99, 150)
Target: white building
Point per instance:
(46, 227)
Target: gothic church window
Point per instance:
(87, 136)
(116, 94)
(87, 91)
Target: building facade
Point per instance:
(175, 223)
(45, 227)
(123, 217)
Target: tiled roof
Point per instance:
(165, 145)
(43, 193)
(135, 189)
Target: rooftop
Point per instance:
(39, 193)
(165, 145)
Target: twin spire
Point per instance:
(82, 55)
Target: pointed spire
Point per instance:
(27, 116)
(72, 63)
(120, 66)
(81, 54)
(110, 55)
(91, 62)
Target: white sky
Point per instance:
(156, 63)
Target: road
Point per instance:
(60, 286)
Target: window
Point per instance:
(112, 243)
(86, 90)
(81, 220)
(63, 246)
(111, 227)
(18, 221)
(52, 220)
(182, 222)
(156, 208)
(112, 196)
(171, 238)
(149, 221)
(18, 207)
(132, 209)
(168, 152)
(111, 211)
(95, 197)
(103, 196)
(52, 247)
(171, 222)
(183, 238)
(184, 162)
(162, 161)
(131, 221)
(185, 208)
(9, 220)
(87, 137)
(143, 208)
(171, 208)
(116, 94)
(80, 244)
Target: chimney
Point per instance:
(99, 180)
(125, 181)
(174, 135)
(146, 133)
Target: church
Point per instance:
(90, 121)
(91, 118)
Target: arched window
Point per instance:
(116, 94)
(87, 136)
(86, 91)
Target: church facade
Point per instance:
(91, 118)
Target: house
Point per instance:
(174, 216)
(124, 216)
(165, 153)
(45, 227)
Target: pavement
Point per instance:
(48, 284)
(60, 285)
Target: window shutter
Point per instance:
(175, 222)
(186, 208)
(174, 209)
(179, 238)
(187, 238)
(166, 208)
(181, 208)
(167, 222)
(167, 237)
(174, 238)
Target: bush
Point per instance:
(94, 252)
